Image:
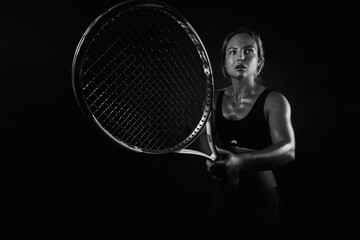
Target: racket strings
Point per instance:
(97, 48)
(117, 52)
(145, 85)
(141, 122)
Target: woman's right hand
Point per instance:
(218, 171)
(227, 167)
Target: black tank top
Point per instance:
(250, 132)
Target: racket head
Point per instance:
(141, 73)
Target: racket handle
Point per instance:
(210, 139)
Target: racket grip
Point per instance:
(210, 140)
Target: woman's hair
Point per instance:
(260, 48)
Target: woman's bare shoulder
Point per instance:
(277, 100)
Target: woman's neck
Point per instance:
(242, 88)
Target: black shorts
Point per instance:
(236, 211)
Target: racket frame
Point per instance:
(204, 124)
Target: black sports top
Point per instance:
(252, 131)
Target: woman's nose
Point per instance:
(240, 58)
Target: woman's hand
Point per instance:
(226, 169)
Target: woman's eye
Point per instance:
(232, 52)
(248, 51)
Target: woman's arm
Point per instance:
(278, 113)
(282, 151)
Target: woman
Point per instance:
(254, 135)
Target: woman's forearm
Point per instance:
(272, 157)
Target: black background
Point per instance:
(59, 174)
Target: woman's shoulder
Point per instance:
(275, 96)
(224, 90)
(275, 100)
(217, 93)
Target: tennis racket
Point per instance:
(142, 75)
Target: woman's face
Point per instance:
(241, 58)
